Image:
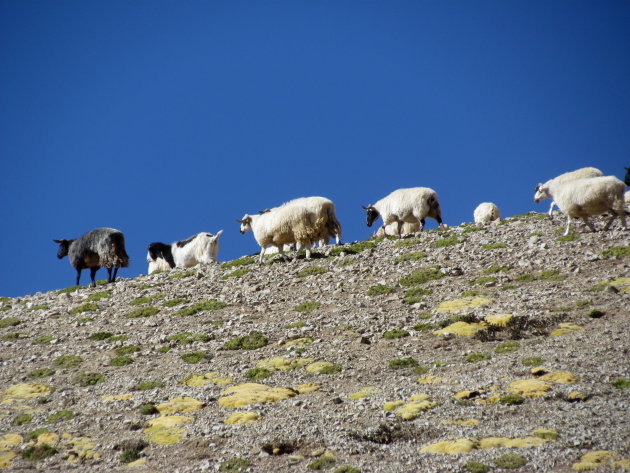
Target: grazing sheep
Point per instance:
(200, 248)
(99, 247)
(486, 212)
(410, 205)
(586, 197)
(581, 173)
(284, 225)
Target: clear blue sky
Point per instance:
(167, 118)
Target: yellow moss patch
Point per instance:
(419, 397)
(6, 458)
(529, 387)
(623, 284)
(462, 329)
(245, 394)
(84, 447)
(463, 304)
(565, 328)
(306, 388)
(467, 394)
(562, 377)
(320, 367)
(430, 379)
(283, 364)
(525, 442)
(198, 380)
(391, 405)
(239, 418)
(456, 447)
(139, 462)
(578, 396)
(117, 397)
(163, 430)
(20, 392)
(593, 460)
(48, 438)
(623, 464)
(492, 399)
(180, 404)
(498, 320)
(462, 422)
(10, 440)
(363, 392)
(413, 409)
(299, 342)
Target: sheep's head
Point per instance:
(246, 223)
(627, 178)
(372, 214)
(64, 246)
(542, 193)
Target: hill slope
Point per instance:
(424, 354)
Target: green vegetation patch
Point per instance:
(244, 261)
(38, 452)
(40, 373)
(98, 336)
(616, 252)
(525, 277)
(148, 385)
(252, 341)
(237, 273)
(621, 383)
(571, 237)
(422, 327)
(510, 461)
(59, 416)
(496, 269)
(596, 314)
(146, 311)
(472, 229)
(9, 322)
(148, 409)
(550, 275)
(379, 290)
(312, 271)
(127, 350)
(402, 363)
(41, 307)
(511, 399)
(186, 338)
(175, 302)
(89, 379)
(43, 340)
(307, 306)
(201, 306)
(296, 325)
(120, 361)
(395, 333)
(411, 256)
(257, 374)
(119, 338)
(194, 357)
(421, 276)
(483, 280)
(473, 293)
(476, 357)
(494, 246)
(181, 275)
(234, 465)
(22, 419)
(130, 455)
(87, 307)
(532, 361)
(347, 469)
(11, 337)
(448, 241)
(97, 296)
(68, 289)
(407, 242)
(67, 361)
(322, 463)
(507, 347)
(476, 467)
(353, 249)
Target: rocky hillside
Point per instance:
(465, 350)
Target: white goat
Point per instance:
(583, 198)
(411, 205)
(200, 248)
(581, 173)
(486, 212)
(283, 225)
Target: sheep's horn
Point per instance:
(241, 221)
(364, 207)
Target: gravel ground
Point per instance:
(542, 381)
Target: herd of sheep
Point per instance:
(309, 220)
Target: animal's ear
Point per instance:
(364, 207)
(537, 187)
(58, 241)
(241, 221)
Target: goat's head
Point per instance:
(372, 214)
(541, 193)
(246, 223)
(64, 247)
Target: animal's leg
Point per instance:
(422, 222)
(93, 271)
(553, 204)
(109, 273)
(281, 253)
(262, 255)
(78, 276)
(399, 229)
(590, 225)
(384, 230)
(566, 231)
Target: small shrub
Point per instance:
(258, 373)
(353, 249)
(22, 419)
(510, 460)
(194, 357)
(421, 276)
(494, 246)
(533, 361)
(67, 361)
(33, 434)
(407, 242)
(87, 307)
(526, 277)
(396, 333)
(237, 273)
(68, 289)
(472, 293)
(9, 322)
(312, 271)
(412, 256)
(296, 325)
(59, 416)
(476, 467)
(11, 337)
(147, 385)
(101, 336)
(130, 455)
(97, 296)
(476, 357)
(202, 306)
(511, 399)
(448, 241)
(570, 237)
(420, 370)
(621, 383)
(322, 463)
(175, 302)
(120, 361)
(307, 306)
(244, 261)
(472, 229)
(234, 465)
(508, 287)
(484, 280)
(402, 363)
(506, 347)
(127, 350)
(496, 269)
(89, 379)
(85, 320)
(43, 340)
(148, 409)
(186, 338)
(616, 252)
(379, 290)
(41, 307)
(119, 338)
(252, 341)
(347, 469)
(139, 312)
(596, 314)
(550, 275)
(422, 327)
(141, 300)
(38, 452)
(41, 373)
(181, 275)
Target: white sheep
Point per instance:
(486, 212)
(406, 229)
(583, 198)
(200, 248)
(284, 225)
(581, 173)
(411, 205)
(99, 247)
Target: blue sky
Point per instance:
(167, 118)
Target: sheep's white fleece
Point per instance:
(200, 248)
(486, 212)
(325, 213)
(581, 173)
(406, 229)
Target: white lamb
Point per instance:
(281, 226)
(581, 173)
(583, 198)
(486, 212)
(200, 248)
(411, 205)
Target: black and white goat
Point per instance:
(200, 248)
